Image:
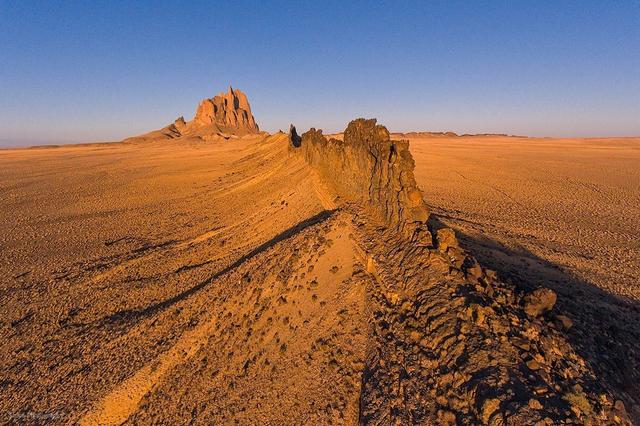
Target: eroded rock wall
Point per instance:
(370, 168)
(448, 341)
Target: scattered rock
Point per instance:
(488, 408)
(564, 321)
(534, 365)
(446, 238)
(534, 404)
(539, 301)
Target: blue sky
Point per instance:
(103, 70)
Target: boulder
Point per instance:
(446, 238)
(539, 301)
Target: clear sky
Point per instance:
(103, 70)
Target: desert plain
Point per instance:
(220, 281)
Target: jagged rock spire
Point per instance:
(229, 109)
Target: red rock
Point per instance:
(227, 110)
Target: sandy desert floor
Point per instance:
(574, 203)
(129, 272)
(563, 213)
(113, 256)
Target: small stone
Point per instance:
(565, 321)
(521, 343)
(534, 365)
(488, 408)
(534, 404)
(539, 301)
(540, 390)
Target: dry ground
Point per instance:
(214, 281)
(172, 282)
(572, 202)
(561, 213)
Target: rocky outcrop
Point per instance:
(180, 124)
(294, 138)
(226, 110)
(225, 116)
(368, 167)
(449, 342)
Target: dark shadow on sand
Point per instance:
(134, 314)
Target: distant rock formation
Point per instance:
(225, 116)
(226, 110)
(427, 134)
(180, 124)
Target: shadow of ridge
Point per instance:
(132, 314)
(606, 331)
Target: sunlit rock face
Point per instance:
(368, 166)
(229, 109)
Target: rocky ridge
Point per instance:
(367, 167)
(449, 342)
